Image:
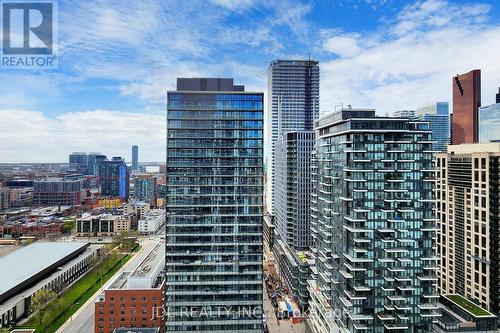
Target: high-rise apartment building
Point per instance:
(489, 121)
(466, 103)
(145, 188)
(293, 105)
(5, 197)
(293, 188)
(135, 158)
(468, 211)
(93, 159)
(292, 210)
(57, 191)
(438, 116)
(214, 208)
(114, 178)
(84, 163)
(373, 225)
(78, 161)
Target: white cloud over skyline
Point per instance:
(30, 136)
(133, 51)
(415, 67)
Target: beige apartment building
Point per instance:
(468, 241)
(103, 225)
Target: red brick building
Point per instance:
(466, 103)
(129, 308)
(37, 230)
(134, 299)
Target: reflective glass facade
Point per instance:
(373, 225)
(438, 116)
(466, 102)
(135, 158)
(214, 211)
(292, 212)
(114, 178)
(292, 104)
(489, 123)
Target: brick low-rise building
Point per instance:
(134, 299)
(32, 229)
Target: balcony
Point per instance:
(354, 269)
(396, 327)
(428, 306)
(427, 278)
(357, 260)
(431, 314)
(361, 288)
(346, 302)
(357, 230)
(346, 275)
(406, 288)
(354, 180)
(385, 316)
(402, 316)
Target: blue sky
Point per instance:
(118, 59)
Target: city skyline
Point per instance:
(90, 95)
(288, 166)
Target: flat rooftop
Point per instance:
(474, 148)
(147, 267)
(147, 270)
(6, 249)
(121, 281)
(473, 309)
(21, 267)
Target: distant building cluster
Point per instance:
(131, 217)
(92, 190)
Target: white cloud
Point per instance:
(235, 4)
(30, 136)
(344, 46)
(408, 67)
(431, 14)
(137, 49)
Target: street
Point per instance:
(83, 319)
(279, 326)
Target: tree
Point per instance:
(126, 240)
(69, 226)
(40, 302)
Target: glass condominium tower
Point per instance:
(214, 208)
(438, 116)
(373, 225)
(292, 105)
